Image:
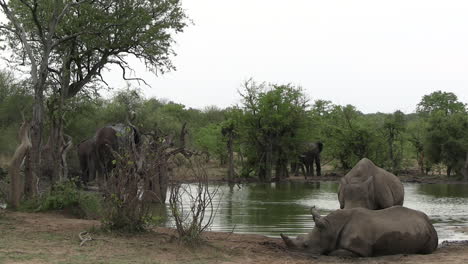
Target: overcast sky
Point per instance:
(376, 55)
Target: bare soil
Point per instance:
(53, 238)
(219, 174)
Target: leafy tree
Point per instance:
(15, 101)
(68, 43)
(348, 140)
(393, 128)
(273, 119)
(446, 137)
(445, 102)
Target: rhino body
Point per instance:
(371, 187)
(361, 232)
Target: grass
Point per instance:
(49, 238)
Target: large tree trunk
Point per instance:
(55, 146)
(230, 158)
(35, 152)
(268, 161)
(17, 184)
(465, 168)
(67, 145)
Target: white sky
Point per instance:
(376, 55)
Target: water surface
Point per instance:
(271, 209)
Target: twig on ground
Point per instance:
(84, 237)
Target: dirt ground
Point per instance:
(53, 238)
(329, 173)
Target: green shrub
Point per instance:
(67, 197)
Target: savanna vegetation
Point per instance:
(51, 96)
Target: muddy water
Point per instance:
(271, 209)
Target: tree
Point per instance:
(68, 43)
(445, 102)
(446, 137)
(274, 117)
(347, 141)
(393, 128)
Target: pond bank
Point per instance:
(53, 238)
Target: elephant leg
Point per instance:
(308, 165)
(304, 170)
(317, 165)
(91, 171)
(294, 168)
(312, 173)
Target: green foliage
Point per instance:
(446, 139)
(445, 102)
(125, 209)
(210, 139)
(272, 127)
(347, 135)
(14, 101)
(67, 197)
(393, 128)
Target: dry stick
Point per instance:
(17, 185)
(84, 237)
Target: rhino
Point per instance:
(371, 187)
(360, 232)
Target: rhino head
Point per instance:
(352, 195)
(312, 243)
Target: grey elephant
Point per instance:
(95, 154)
(371, 187)
(360, 232)
(88, 160)
(307, 158)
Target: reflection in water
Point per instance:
(271, 209)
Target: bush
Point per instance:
(125, 207)
(192, 205)
(67, 197)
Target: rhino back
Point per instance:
(361, 171)
(395, 230)
(388, 190)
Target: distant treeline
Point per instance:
(267, 130)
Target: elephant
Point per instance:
(88, 160)
(307, 158)
(96, 154)
(360, 232)
(113, 138)
(371, 187)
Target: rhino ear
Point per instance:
(319, 222)
(341, 193)
(289, 243)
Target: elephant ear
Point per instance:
(341, 193)
(319, 221)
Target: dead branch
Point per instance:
(67, 145)
(84, 237)
(17, 184)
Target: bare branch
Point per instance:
(84, 237)
(22, 35)
(124, 68)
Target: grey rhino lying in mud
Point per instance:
(371, 187)
(360, 232)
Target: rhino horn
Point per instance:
(289, 243)
(319, 222)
